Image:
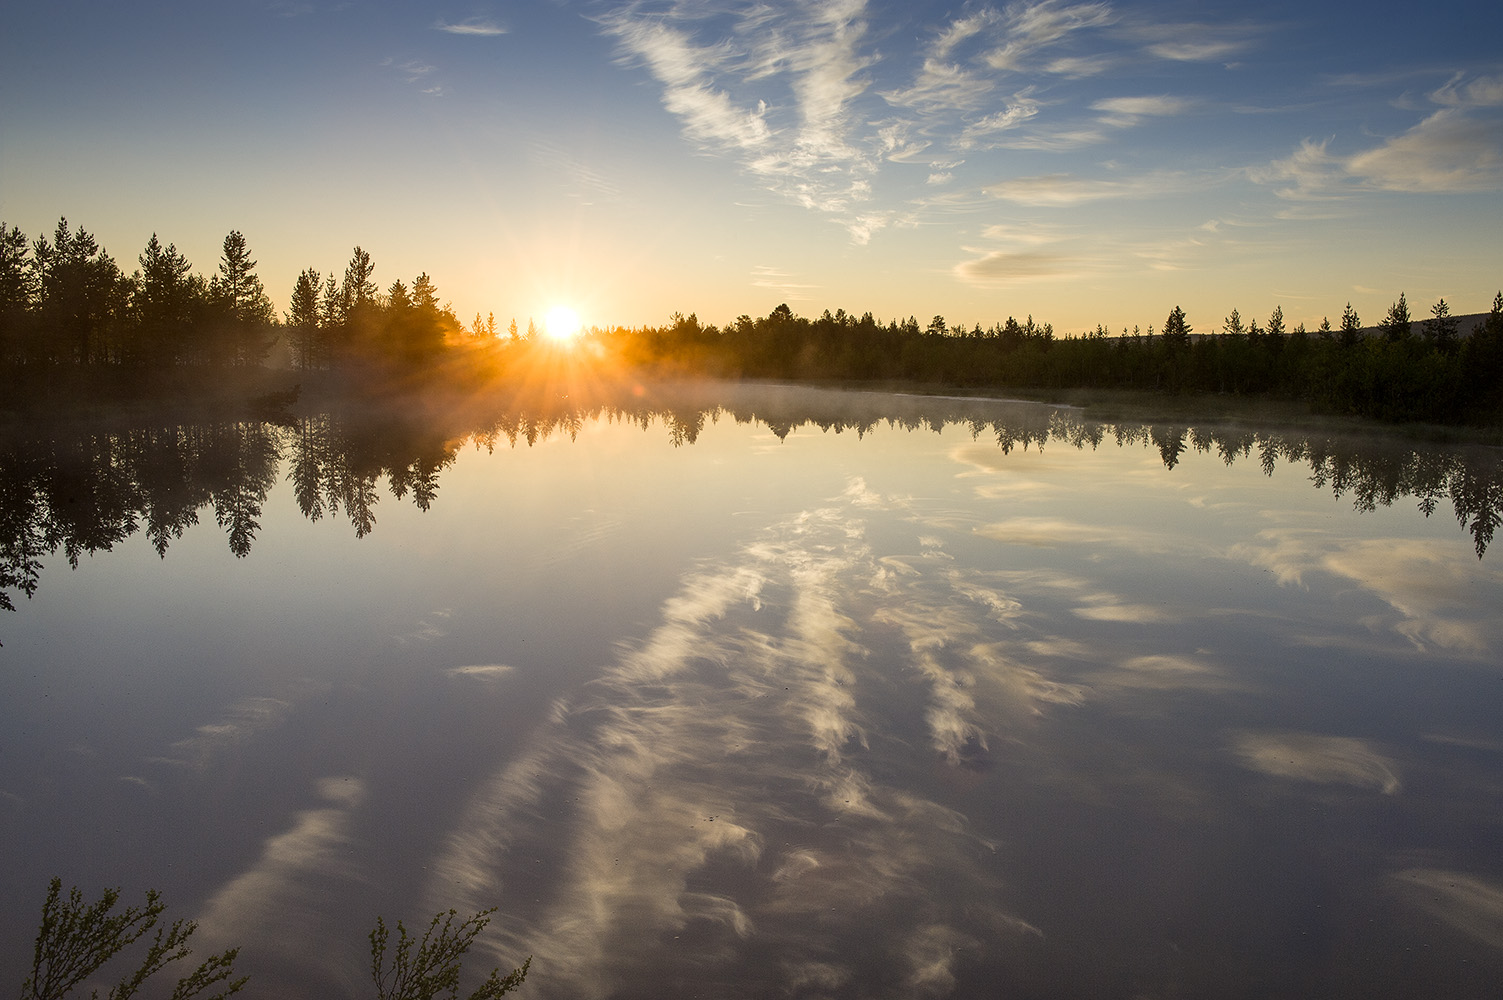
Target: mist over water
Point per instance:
(746, 692)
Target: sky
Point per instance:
(1084, 163)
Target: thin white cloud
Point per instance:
(1480, 92)
(1197, 42)
(942, 86)
(1031, 28)
(245, 720)
(1450, 151)
(1318, 759)
(764, 276)
(1022, 108)
(276, 905)
(626, 802)
(963, 29)
(1128, 109)
(1310, 173)
(411, 70)
(777, 92)
(1079, 67)
(1001, 266)
(476, 26)
(1066, 190)
(1457, 149)
(1055, 139)
(1469, 904)
(482, 671)
(1427, 590)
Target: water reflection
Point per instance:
(953, 698)
(79, 492)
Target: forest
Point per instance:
(70, 317)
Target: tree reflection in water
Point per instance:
(83, 491)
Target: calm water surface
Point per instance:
(805, 694)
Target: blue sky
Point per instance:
(1081, 162)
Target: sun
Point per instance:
(561, 324)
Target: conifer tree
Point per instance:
(1276, 322)
(1396, 324)
(1351, 326)
(1441, 328)
(80, 293)
(303, 321)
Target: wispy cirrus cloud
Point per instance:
(623, 817)
(1449, 152)
(475, 26)
(777, 92)
(1456, 149)
(814, 107)
(1318, 759)
(1480, 92)
(1471, 905)
(1065, 190)
(1019, 110)
(1127, 111)
(766, 276)
(1192, 42)
(1032, 28)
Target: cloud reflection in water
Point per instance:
(712, 798)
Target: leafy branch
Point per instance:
(75, 939)
(434, 967)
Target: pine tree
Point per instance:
(246, 311)
(1441, 328)
(1351, 327)
(1176, 330)
(17, 276)
(80, 293)
(238, 286)
(1396, 324)
(163, 306)
(303, 321)
(359, 290)
(1276, 322)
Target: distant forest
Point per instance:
(69, 316)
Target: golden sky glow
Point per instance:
(1081, 162)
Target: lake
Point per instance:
(738, 691)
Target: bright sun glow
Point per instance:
(562, 323)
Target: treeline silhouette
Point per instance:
(1400, 371)
(80, 491)
(67, 309)
(70, 316)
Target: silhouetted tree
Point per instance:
(80, 295)
(1441, 327)
(304, 322)
(163, 307)
(1396, 324)
(247, 315)
(359, 289)
(1351, 327)
(17, 291)
(1176, 330)
(1276, 322)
